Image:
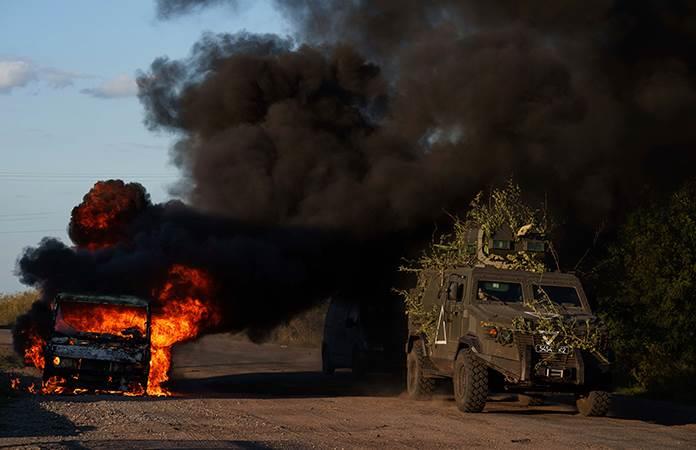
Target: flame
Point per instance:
(184, 311)
(15, 383)
(54, 385)
(106, 210)
(106, 319)
(34, 353)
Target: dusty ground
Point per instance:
(234, 394)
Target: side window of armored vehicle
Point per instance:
(455, 290)
(562, 295)
(499, 291)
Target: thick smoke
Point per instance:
(402, 110)
(261, 276)
(313, 163)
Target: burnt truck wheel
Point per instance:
(327, 366)
(470, 380)
(418, 386)
(594, 403)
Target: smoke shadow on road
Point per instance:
(26, 417)
(291, 385)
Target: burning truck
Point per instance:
(111, 332)
(98, 342)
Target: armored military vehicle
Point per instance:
(499, 324)
(98, 342)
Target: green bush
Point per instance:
(647, 293)
(13, 305)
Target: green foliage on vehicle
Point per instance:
(504, 210)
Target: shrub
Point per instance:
(13, 305)
(647, 292)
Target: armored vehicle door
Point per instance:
(450, 320)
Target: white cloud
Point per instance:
(14, 74)
(119, 87)
(59, 79)
(17, 73)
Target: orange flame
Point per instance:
(184, 309)
(109, 319)
(54, 385)
(105, 210)
(34, 353)
(183, 313)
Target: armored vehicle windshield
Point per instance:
(499, 291)
(566, 296)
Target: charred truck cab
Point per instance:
(521, 331)
(99, 342)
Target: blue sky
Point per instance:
(68, 111)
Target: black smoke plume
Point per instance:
(261, 276)
(312, 163)
(402, 109)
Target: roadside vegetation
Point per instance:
(12, 305)
(646, 290)
(304, 330)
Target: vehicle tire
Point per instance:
(530, 400)
(327, 367)
(470, 380)
(594, 403)
(418, 386)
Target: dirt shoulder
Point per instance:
(235, 394)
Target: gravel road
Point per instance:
(235, 394)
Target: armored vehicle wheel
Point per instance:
(594, 403)
(470, 381)
(326, 366)
(530, 400)
(419, 387)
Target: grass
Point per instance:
(304, 330)
(13, 305)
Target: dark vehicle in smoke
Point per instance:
(364, 336)
(99, 342)
(480, 342)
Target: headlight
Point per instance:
(64, 362)
(499, 334)
(490, 330)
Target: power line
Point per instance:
(30, 231)
(24, 219)
(25, 214)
